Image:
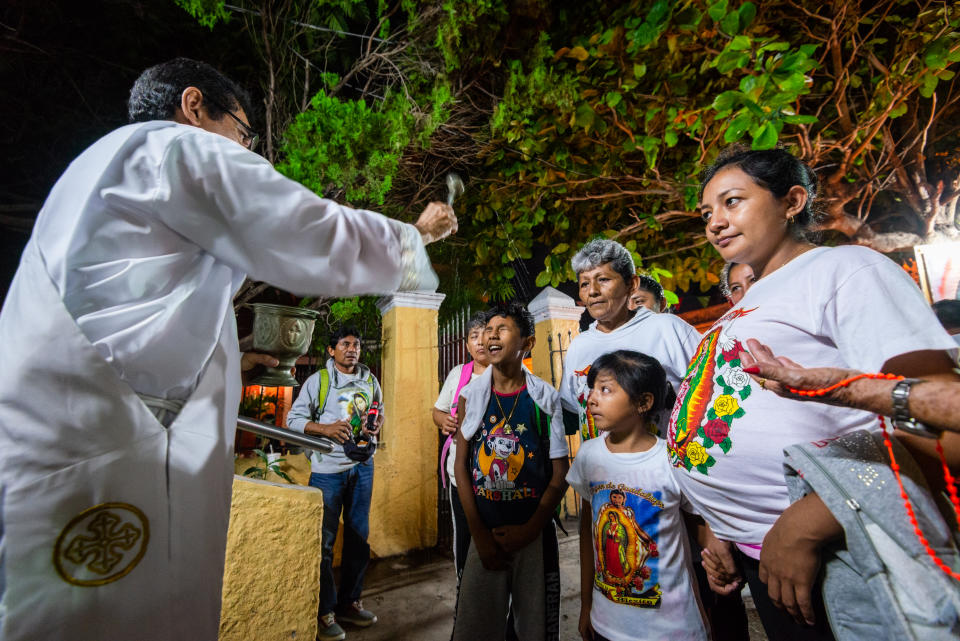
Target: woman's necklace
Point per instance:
(948, 477)
(506, 417)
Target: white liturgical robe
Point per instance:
(113, 526)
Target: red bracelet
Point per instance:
(826, 390)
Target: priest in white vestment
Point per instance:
(120, 375)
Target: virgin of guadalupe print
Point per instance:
(709, 399)
(626, 523)
(588, 429)
(354, 404)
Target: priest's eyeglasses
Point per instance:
(248, 137)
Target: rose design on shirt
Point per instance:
(697, 454)
(725, 405)
(716, 430)
(730, 347)
(736, 378)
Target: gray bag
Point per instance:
(880, 583)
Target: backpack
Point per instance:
(355, 450)
(879, 583)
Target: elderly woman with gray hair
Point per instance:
(606, 277)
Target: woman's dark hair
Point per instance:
(156, 93)
(342, 333)
(776, 171)
(517, 311)
(636, 373)
(647, 283)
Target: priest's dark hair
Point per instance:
(948, 313)
(343, 332)
(518, 312)
(156, 93)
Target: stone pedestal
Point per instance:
(271, 579)
(403, 513)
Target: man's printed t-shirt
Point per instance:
(847, 307)
(508, 465)
(348, 399)
(643, 577)
(665, 337)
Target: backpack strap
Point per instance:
(322, 393)
(368, 379)
(466, 373)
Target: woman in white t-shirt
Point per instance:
(444, 416)
(845, 307)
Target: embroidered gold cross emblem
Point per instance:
(101, 544)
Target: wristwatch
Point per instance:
(901, 419)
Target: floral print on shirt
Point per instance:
(702, 418)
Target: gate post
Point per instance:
(403, 511)
(557, 321)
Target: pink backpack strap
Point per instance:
(465, 375)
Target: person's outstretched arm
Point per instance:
(934, 403)
(233, 204)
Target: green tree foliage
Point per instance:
(604, 125)
(578, 119)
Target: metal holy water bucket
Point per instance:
(284, 333)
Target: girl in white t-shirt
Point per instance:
(847, 307)
(635, 569)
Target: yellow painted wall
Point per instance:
(541, 368)
(271, 581)
(403, 512)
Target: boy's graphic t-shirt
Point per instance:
(508, 465)
(846, 307)
(643, 577)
